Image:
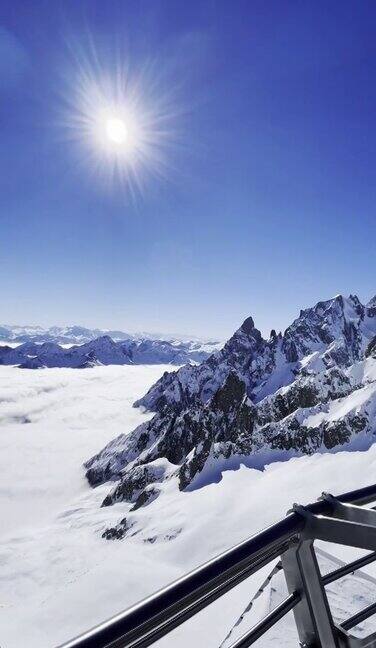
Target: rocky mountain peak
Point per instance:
(253, 401)
(248, 326)
(371, 307)
(102, 341)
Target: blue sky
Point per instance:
(268, 201)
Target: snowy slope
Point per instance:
(59, 576)
(255, 401)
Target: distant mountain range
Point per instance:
(57, 334)
(311, 389)
(33, 347)
(80, 334)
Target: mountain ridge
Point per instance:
(310, 389)
(76, 334)
(102, 351)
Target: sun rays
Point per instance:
(123, 118)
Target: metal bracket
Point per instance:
(300, 510)
(350, 512)
(348, 525)
(312, 614)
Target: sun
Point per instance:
(116, 131)
(123, 118)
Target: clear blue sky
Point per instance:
(269, 204)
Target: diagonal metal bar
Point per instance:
(249, 606)
(249, 638)
(349, 569)
(359, 617)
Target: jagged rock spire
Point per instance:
(248, 325)
(252, 399)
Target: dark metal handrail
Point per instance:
(149, 620)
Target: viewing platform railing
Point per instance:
(340, 520)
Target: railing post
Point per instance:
(312, 614)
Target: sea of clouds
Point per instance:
(58, 576)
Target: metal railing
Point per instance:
(339, 519)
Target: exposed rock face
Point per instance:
(371, 349)
(131, 486)
(119, 531)
(309, 390)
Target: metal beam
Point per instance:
(249, 638)
(312, 615)
(350, 568)
(350, 512)
(360, 616)
(351, 534)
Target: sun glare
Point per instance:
(116, 130)
(123, 119)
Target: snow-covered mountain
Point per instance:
(102, 351)
(56, 334)
(312, 389)
(140, 344)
